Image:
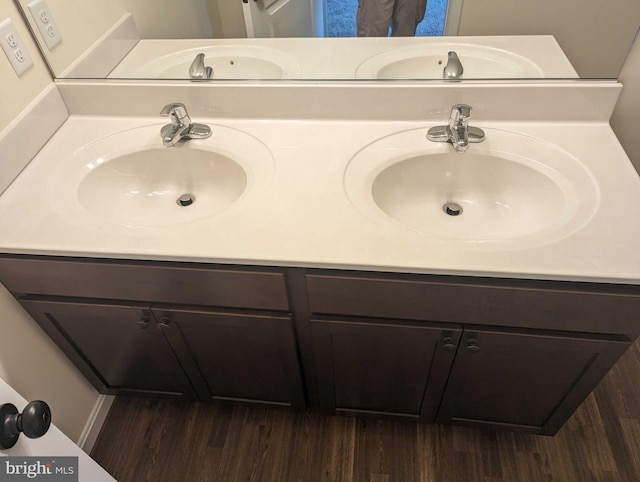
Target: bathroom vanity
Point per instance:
(503, 353)
(302, 282)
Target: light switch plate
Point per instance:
(45, 22)
(14, 47)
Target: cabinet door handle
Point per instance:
(448, 344)
(472, 346)
(164, 324)
(143, 322)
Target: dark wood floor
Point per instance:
(154, 440)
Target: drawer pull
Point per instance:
(164, 324)
(448, 344)
(472, 346)
(143, 322)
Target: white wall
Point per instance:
(227, 19)
(17, 92)
(626, 116)
(170, 18)
(37, 369)
(594, 34)
(29, 361)
(81, 23)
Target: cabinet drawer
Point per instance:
(182, 283)
(518, 303)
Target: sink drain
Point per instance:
(452, 209)
(186, 200)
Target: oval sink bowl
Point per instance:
(511, 189)
(227, 62)
(130, 179)
(428, 61)
(159, 186)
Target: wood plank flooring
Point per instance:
(159, 440)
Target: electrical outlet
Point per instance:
(45, 23)
(19, 55)
(11, 40)
(13, 47)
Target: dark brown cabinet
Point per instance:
(501, 353)
(525, 381)
(523, 354)
(522, 380)
(176, 329)
(117, 347)
(239, 357)
(383, 368)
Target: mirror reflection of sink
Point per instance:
(227, 62)
(427, 61)
(511, 189)
(130, 179)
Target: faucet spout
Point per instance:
(172, 134)
(181, 127)
(457, 132)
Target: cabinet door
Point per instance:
(237, 357)
(117, 347)
(524, 381)
(394, 369)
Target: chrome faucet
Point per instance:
(457, 132)
(198, 70)
(453, 69)
(181, 126)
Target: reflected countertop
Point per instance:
(519, 56)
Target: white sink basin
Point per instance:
(511, 189)
(130, 179)
(227, 61)
(143, 187)
(427, 61)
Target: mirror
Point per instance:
(305, 39)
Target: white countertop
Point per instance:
(303, 217)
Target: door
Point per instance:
(284, 18)
(240, 357)
(52, 444)
(522, 380)
(119, 348)
(392, 369)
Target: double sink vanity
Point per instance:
(317, 251)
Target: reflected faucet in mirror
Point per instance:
(457, 132)
(453, 69)
(181, 127)
(198, 70)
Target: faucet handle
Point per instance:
(461, 111)
(169, 108)
(177, 112)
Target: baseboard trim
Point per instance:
(92, 428)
